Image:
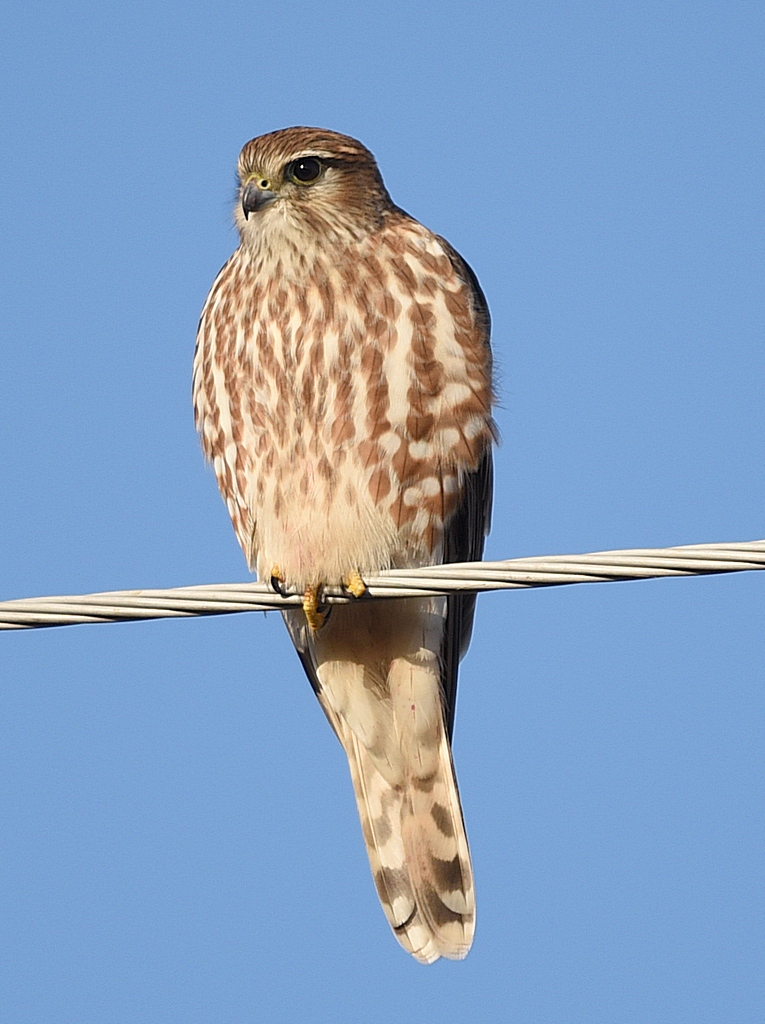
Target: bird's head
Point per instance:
(307, 182)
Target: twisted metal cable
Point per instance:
(515, 573)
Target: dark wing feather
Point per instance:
(468, 528)
(463, 542)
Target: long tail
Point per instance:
(419, 856)
(376, 672)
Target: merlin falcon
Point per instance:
(343, 393)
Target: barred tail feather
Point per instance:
(377, 674)
(439, 858)
(419, 856)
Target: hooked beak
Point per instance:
(254, 198)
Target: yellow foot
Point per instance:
(278, 581)
(354, 584)
(315, 617)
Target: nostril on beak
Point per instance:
(256, 195)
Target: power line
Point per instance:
(513, 574)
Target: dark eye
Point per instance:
(304, 170)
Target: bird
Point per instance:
(342, 389)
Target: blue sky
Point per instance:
(179, 838)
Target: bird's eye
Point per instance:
(305, 170)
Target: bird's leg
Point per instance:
(354, 584)
(278, 581)
(315, 616)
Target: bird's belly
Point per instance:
(317, 527)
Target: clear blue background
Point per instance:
(179, 838)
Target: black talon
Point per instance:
(278, 586)
(322, 607)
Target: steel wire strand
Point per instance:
(513, 574)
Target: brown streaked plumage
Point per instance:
(342, 390)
